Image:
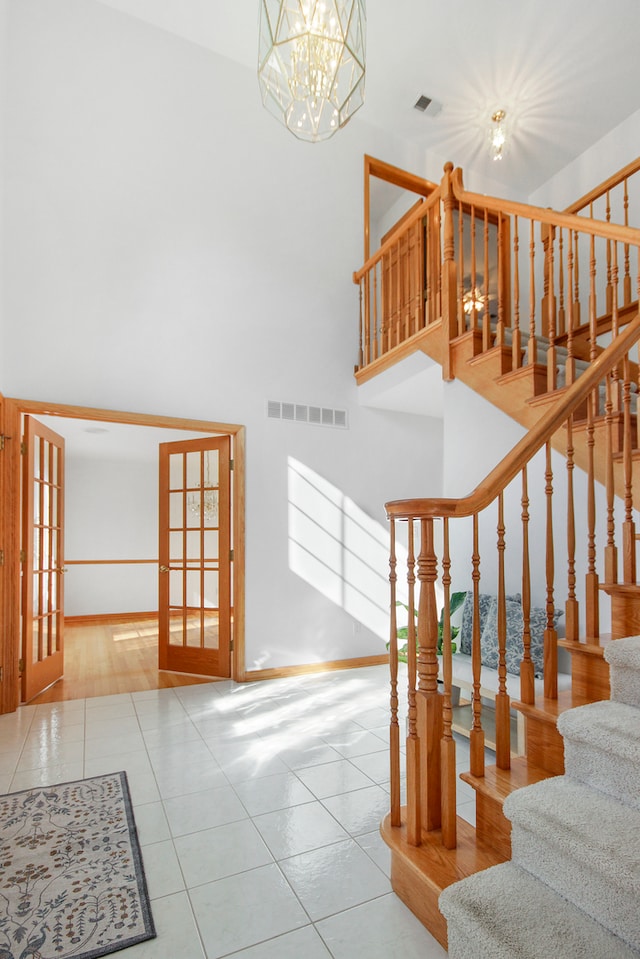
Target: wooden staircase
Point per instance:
(574, 393)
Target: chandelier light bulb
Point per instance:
(498, 135)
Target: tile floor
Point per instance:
(257, 807)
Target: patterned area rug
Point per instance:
(72, 883)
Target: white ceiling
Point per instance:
(566, 71)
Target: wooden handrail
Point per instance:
(397, 176)
(568, 221)
(513, 462)
(615, 180)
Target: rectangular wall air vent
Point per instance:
(422, 103)
(300, 413)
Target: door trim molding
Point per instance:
(10, 485)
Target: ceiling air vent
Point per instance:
(300, 413)
(422, 103)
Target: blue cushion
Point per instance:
(514, 650)
(466, 627)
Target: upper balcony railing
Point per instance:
(511, 275)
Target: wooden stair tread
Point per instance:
(500, 783)
(586, 647)
(420, 873)
(487, 356)
(628, 589)
(444, 865)
(548, 710)
(548, 398)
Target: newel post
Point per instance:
(448, 276)
(428, 700)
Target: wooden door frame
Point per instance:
(10, 413)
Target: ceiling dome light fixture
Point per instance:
(498, 140)
(311, 66)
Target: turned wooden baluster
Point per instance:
(550, 633)
(461, 314)
(527, 669)
(476, 736)
(516, 349)
(499, 341)
(394, 727)
(570, 365)
(385, 302)
(428, 700)
(414, 812)
(591, 580)
(405, 287)
(502, 706)
(474, 311)
(628, 526)
(609, 300)
(397, 313)
(571, 605)
(378, 337)
(576, 283)
(610, 550)
(561, 312)
(361, 333)
(448, 290)
(551, 315)
(417, 278)
(487, 338)
(592, 597)
(591, 591)
(593, 306)
(627, 275)
(532, 348)
(448, 746)
(612, 405)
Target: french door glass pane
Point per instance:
(193, 547)
(211, 544)
(176, 515)
(176, 471)
(176, 547)
(176, 593)
(193, 470)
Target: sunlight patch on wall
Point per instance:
(339, 550)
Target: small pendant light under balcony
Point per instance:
(311, 63)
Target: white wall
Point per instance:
(3, 92)
(171, 249)
(619, 147)
(111, 512)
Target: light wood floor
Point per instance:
(100, 660)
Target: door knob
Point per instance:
(164, 569)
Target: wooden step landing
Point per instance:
(625, 608)
(589, 669)
(492, 827)
(420, 873)
(544, 744)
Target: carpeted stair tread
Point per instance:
(602, 748)
(623, 656)
(505, 913)
(606, 725)
(594, 857)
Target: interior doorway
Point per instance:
(105, 420)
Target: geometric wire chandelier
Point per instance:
(311, 63)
